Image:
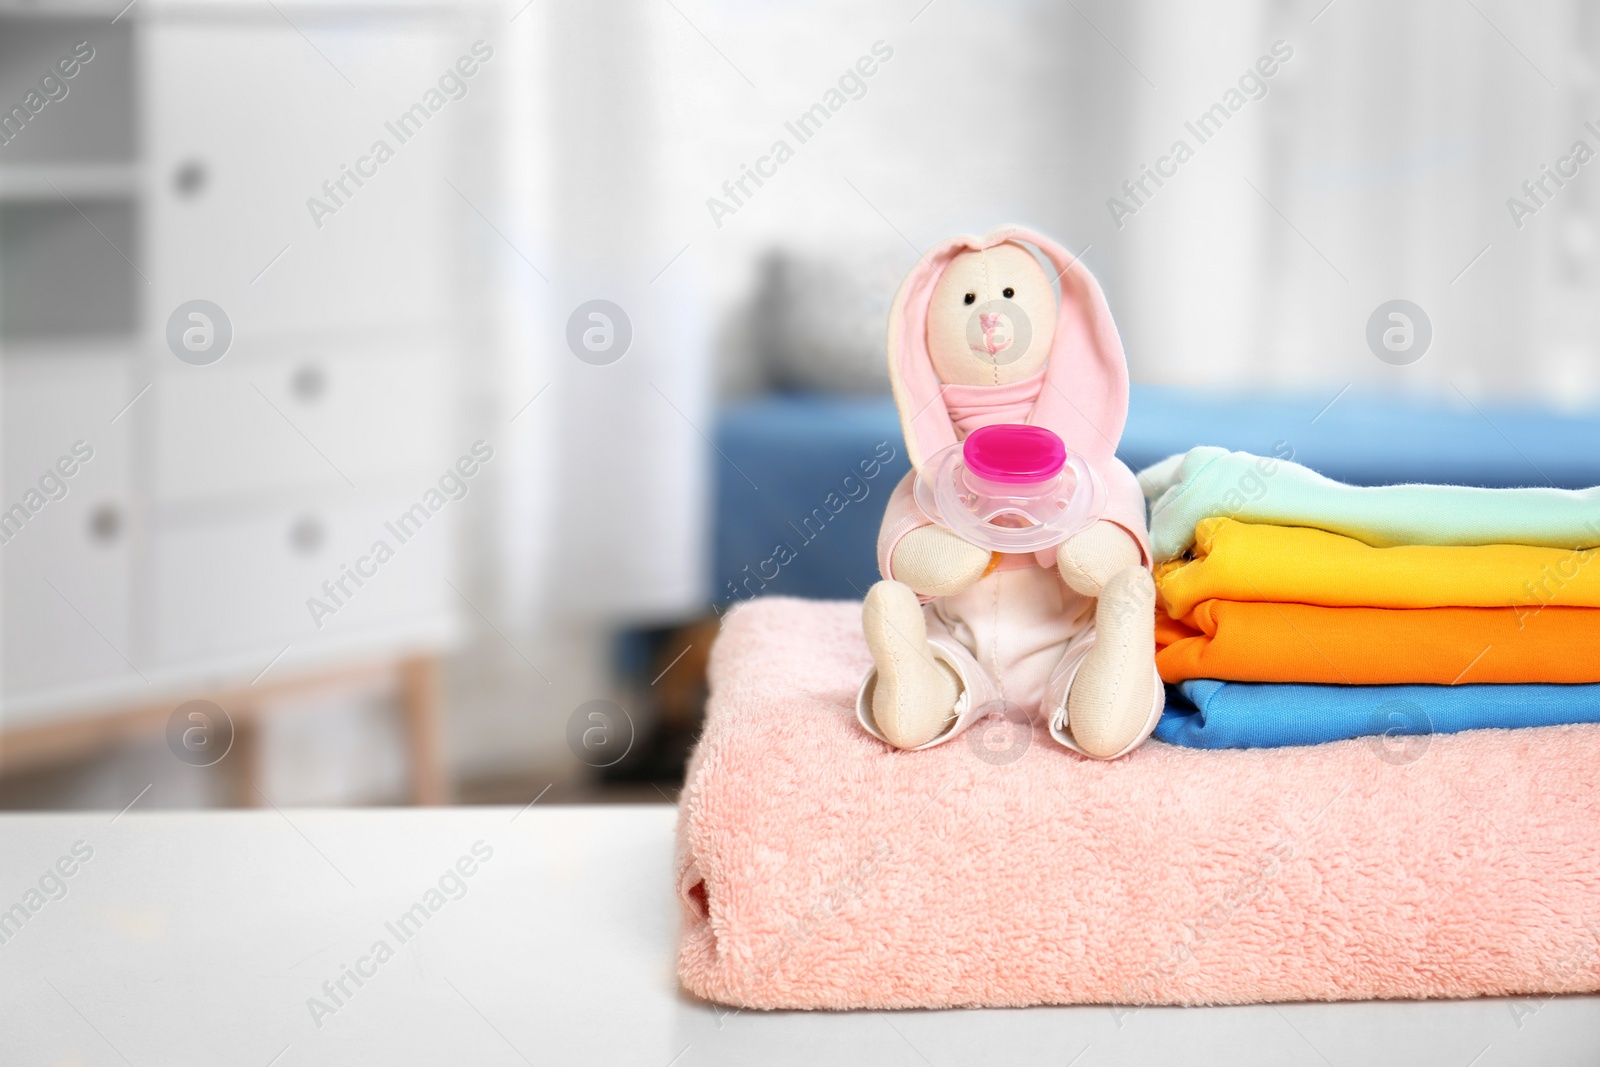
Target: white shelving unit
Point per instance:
(220, 497)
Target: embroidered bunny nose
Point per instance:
(996, 333)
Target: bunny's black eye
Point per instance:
(969, 298)
(1008, 292)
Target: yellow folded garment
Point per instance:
(1241, 561)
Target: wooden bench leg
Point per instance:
(244, 760)
(419, 700)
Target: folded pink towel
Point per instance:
(819, 869)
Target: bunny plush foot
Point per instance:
(914, 697)
(1112, 696)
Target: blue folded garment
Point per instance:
(1211, 714)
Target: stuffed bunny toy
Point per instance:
(977, 337)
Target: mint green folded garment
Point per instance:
(1209, 482)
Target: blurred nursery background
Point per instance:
(395, 394)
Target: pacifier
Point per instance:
(1010, 488)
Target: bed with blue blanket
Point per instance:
(797, 513)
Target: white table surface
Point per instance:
(199, 937)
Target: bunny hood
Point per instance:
(1084, 394)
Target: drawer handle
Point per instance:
(189, 179)
(309, 383)
(105, 523)
(307, 535)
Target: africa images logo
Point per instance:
(338, 191)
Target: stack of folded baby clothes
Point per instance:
(1296, 610)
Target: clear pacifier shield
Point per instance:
(1013, 512)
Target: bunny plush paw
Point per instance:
(1088, 560)
(935, 562)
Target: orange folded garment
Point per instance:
(1265, 642)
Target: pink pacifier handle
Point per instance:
(1014, 454)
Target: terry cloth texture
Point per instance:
(818, 869)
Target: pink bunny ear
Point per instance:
(923, 417)
(1084, 398)
(1085, 394)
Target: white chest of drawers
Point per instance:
(220, 497)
